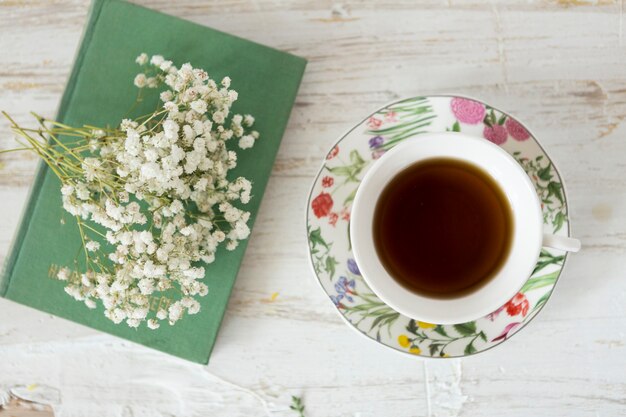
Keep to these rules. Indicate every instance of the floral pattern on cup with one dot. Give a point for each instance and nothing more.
(329, 214)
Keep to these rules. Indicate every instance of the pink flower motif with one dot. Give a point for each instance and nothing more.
(510, 328)
(377, 154)
(516, 130)
(496, 134)
(333, 152)
(345, 214)
(374, 123)
(467, 111)
(332, 218)
(495, 314)
(327, 181)
(391, 116)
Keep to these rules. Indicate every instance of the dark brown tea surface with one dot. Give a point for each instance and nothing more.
(442, 227)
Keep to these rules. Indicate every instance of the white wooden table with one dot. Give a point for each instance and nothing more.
(558, 65)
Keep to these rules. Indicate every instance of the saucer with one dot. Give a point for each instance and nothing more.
(328, 221)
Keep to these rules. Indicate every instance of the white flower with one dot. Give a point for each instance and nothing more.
(152, 82)
(165, 65)
(199, 106)
(67, 190)
(63, 274)
(142, 59)
(140, 80)
(166, 96)
(156, 60)
(248, 120)
(246, 142)
(161, 189)
(175, 312)
(92, 246)
(218, 117)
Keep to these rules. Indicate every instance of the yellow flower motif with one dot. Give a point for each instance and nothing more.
(445, 355)
(403, 340)
(415, 350)
(424, 325)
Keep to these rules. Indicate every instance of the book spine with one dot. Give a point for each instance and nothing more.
(6, 273)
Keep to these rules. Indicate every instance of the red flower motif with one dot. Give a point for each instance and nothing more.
(516, 130)
(333, 152)
(332, 218)
(467, 111)
(322, 204)
(496, 134)
(518, 304)
(327, 181)
(374, 123)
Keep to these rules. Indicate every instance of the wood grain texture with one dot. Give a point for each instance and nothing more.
(558, 65)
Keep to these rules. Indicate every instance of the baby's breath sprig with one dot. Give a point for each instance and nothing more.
(151, 197)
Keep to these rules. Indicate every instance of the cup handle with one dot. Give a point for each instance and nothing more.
(568, 244)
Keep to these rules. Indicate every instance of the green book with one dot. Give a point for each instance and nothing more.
(100, 92)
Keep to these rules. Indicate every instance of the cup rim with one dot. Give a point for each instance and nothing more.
(448, 311)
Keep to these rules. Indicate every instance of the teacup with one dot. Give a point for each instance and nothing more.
(525, 243)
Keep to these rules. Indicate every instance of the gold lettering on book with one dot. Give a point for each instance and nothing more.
(155, 303)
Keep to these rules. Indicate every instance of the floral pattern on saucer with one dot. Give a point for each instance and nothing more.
(328, 220)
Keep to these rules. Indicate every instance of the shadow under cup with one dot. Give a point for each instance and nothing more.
(525, 233)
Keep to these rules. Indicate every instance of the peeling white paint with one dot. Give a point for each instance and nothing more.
(443, 387)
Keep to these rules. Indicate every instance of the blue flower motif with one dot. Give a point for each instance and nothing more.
(353, 267)
(344, 288)
(336, 299)
(376, 142)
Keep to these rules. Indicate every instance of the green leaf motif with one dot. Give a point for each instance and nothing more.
(413, 116)
(456, 127)
(384, 319)
(315, 236)
(502, 119)
(439, 329)
(554, 189)
(542, 300)
(350, 197)
(351, 171)
(433, 348)
(557, 222)
(355, 158)
(412, 327)
(544, 174)
(540, 282)
(545, 259)
(469, 349)
(466, 329)
(343, 171)
(331, 263)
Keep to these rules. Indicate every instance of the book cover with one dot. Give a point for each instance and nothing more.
(100, 92)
